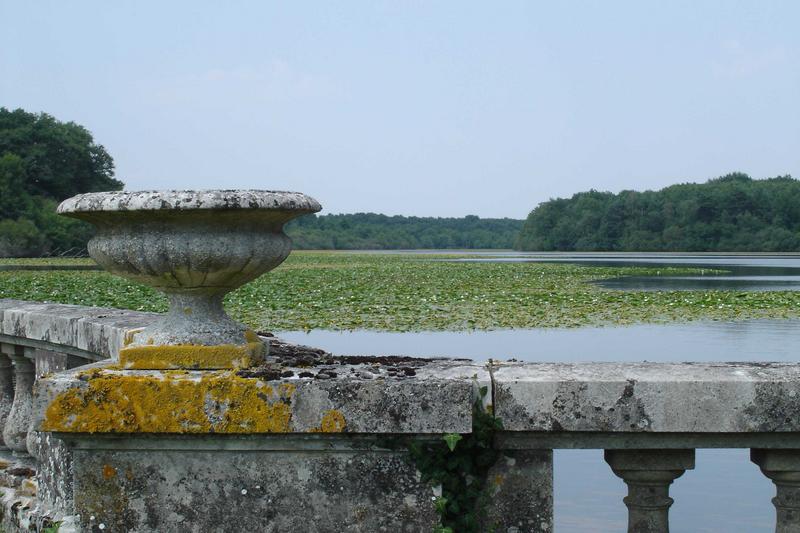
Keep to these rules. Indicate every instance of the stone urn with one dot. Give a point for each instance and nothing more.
(195, 247)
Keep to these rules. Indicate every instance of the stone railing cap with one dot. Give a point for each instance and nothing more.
(648, 397)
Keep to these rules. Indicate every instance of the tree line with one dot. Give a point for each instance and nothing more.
(728, 214)
(44, 161)
(370, 231)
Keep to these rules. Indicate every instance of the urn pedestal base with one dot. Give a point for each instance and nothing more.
(194, 356)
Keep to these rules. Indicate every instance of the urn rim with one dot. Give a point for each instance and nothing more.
(190, 200)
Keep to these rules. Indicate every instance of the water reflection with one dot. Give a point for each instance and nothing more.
(759, 272)
(746, 340)
(702, 283)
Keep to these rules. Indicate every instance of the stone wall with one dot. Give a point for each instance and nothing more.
(312, 441)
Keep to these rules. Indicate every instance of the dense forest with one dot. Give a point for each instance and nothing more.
(731, 213)
(370, 231)
(44, 161)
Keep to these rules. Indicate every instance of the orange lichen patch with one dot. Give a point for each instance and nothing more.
(171, 402)
(194, 356)
(109, 471)
(332, 422)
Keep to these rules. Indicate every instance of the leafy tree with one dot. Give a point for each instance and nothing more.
(361, 231)
(14, 199)
(729, 213)
(44, 161)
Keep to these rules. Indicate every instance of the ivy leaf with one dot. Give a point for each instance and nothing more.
(452, 439)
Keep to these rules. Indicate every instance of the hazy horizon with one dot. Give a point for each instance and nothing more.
(418, 109)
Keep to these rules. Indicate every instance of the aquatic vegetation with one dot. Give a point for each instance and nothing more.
(414, 292)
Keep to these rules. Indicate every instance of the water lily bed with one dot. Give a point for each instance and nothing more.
(414, 292)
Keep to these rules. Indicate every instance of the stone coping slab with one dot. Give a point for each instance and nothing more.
(411, 395)
(102, 398)
(93, 332)
(648, 397)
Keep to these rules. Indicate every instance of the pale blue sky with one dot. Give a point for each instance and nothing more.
(416, 108)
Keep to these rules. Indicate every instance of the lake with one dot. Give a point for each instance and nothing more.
(767, 272)
(726, 492)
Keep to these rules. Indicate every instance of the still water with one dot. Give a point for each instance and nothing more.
(726, 492)
(759, 272)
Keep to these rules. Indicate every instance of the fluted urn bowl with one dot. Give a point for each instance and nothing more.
(194, 246)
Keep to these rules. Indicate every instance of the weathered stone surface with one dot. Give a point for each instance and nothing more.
(648, 475)
(53, 471)
(6, 387)
(93, 332)
(189, 200)
(53, 458)
(21, 507)
(99, 398)
(520, 488)
(649, 397)
(783, 468)
(277, 491)
(195, 246)
(20, 417)
(360, 479)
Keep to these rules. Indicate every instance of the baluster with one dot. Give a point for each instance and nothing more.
(15, 431)
(783, 468)
(648, 474)
(46, 362)
(6, 386)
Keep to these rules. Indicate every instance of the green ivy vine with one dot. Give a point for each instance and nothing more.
(460, 465)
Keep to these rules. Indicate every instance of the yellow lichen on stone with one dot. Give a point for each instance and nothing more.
(194, 356)
(109, 471)
(333, 421)
(129, 335)
(171, 402)
(286, 390)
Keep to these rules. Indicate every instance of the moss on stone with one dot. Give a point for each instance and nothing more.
(171, 402)
(333, 421)
(192, 356)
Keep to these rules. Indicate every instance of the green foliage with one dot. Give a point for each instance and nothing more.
(730, 213)
(369, 231)
(14, 199)
(452, 440)
(19, 238)
(61, 159)
(53, 528)
(408, 292)
(44, 161)
(460, 466)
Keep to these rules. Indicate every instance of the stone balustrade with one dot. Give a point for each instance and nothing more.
(313, 442)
